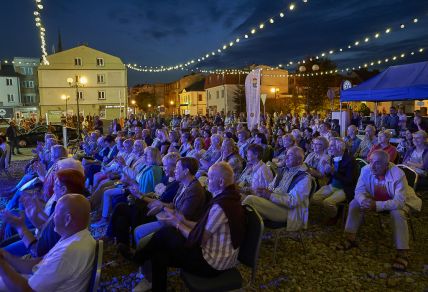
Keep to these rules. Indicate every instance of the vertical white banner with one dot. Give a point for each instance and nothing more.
(252, 95)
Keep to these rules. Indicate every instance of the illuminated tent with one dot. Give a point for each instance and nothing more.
(403, 82)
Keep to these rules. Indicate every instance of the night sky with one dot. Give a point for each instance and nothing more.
(166, 32)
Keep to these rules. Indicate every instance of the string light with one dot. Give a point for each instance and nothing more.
(251, 32)
(364, 65)
(357, 43)
(39, 25)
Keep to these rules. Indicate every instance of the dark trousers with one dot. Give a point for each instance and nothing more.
(167, 249)
(126, 218)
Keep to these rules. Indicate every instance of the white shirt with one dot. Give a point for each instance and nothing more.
(67, 266)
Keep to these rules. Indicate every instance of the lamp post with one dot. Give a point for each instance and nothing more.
(133, 104)
(79, 82)
(172, 105)
(275, 90)
(65, 97)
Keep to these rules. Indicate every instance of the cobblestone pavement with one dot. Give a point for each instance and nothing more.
(321, 268)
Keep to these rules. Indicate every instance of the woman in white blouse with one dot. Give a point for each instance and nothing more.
(256, 174)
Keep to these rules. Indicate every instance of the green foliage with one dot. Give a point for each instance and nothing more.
(143, 99)
(315, 87)
(364, 109)
(239, 99)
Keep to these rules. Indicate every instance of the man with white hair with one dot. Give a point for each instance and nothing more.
(383, 187)
(204, 248)
(342, 170)
(383, 138)
(287, 198)
(67, 266)
(367, 143)
(352, 141)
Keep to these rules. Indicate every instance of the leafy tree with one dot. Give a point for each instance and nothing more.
(239, 99)
(364, 109)
(143, 99)
(315, 87)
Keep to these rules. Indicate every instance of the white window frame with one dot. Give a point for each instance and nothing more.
(101, 95)
(100, 62)
(101, 78)
(9, 82)
(28, 99)
(77, 61)
(28, 84)
(28, 70)
(10, 98)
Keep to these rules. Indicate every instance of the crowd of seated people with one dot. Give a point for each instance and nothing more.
(177, 190)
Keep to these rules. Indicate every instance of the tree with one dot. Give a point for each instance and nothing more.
(239, 99)
(143, 99)
(315, 87)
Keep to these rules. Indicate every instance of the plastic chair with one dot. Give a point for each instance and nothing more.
(344, 205)
(96, 270)
(278, 228)
(412, 179)
(248, 255)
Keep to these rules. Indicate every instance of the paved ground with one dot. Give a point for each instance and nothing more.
(321, 268)
(26, 154)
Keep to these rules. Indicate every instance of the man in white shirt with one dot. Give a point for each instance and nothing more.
(67, 266)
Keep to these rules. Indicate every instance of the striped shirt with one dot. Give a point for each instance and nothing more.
(218, 251)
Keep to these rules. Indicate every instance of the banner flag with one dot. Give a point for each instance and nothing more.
(252, 95)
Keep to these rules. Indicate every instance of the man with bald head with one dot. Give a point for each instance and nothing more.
(287, 197)
(204, 248)
(383, 187)
(67, 266)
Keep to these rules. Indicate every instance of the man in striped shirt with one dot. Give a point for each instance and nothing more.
(204, 248)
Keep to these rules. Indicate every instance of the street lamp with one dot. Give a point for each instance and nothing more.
(133, 103)
(79, 82)
(275, 90)
(65, 97)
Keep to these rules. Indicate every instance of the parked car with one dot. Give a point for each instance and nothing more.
(31, 137)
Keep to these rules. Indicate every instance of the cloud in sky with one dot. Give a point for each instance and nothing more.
(169, 32)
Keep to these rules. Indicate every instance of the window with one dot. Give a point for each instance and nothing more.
(218, 94)
(100, 62)
(222, 93)
(26, 99)
(101, 95)
(10, 98)
(27, 70)
(77, 61)
(28, 84)
(199, 97)
(9, 82)
(80, 94)
(100, 78)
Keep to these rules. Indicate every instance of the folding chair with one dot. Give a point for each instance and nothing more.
(248, 255)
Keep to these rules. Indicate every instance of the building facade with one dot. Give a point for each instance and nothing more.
(193, 100)
(105, 93)
(29, 101)
(10, 91)
(221, 90)
(173, 90)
